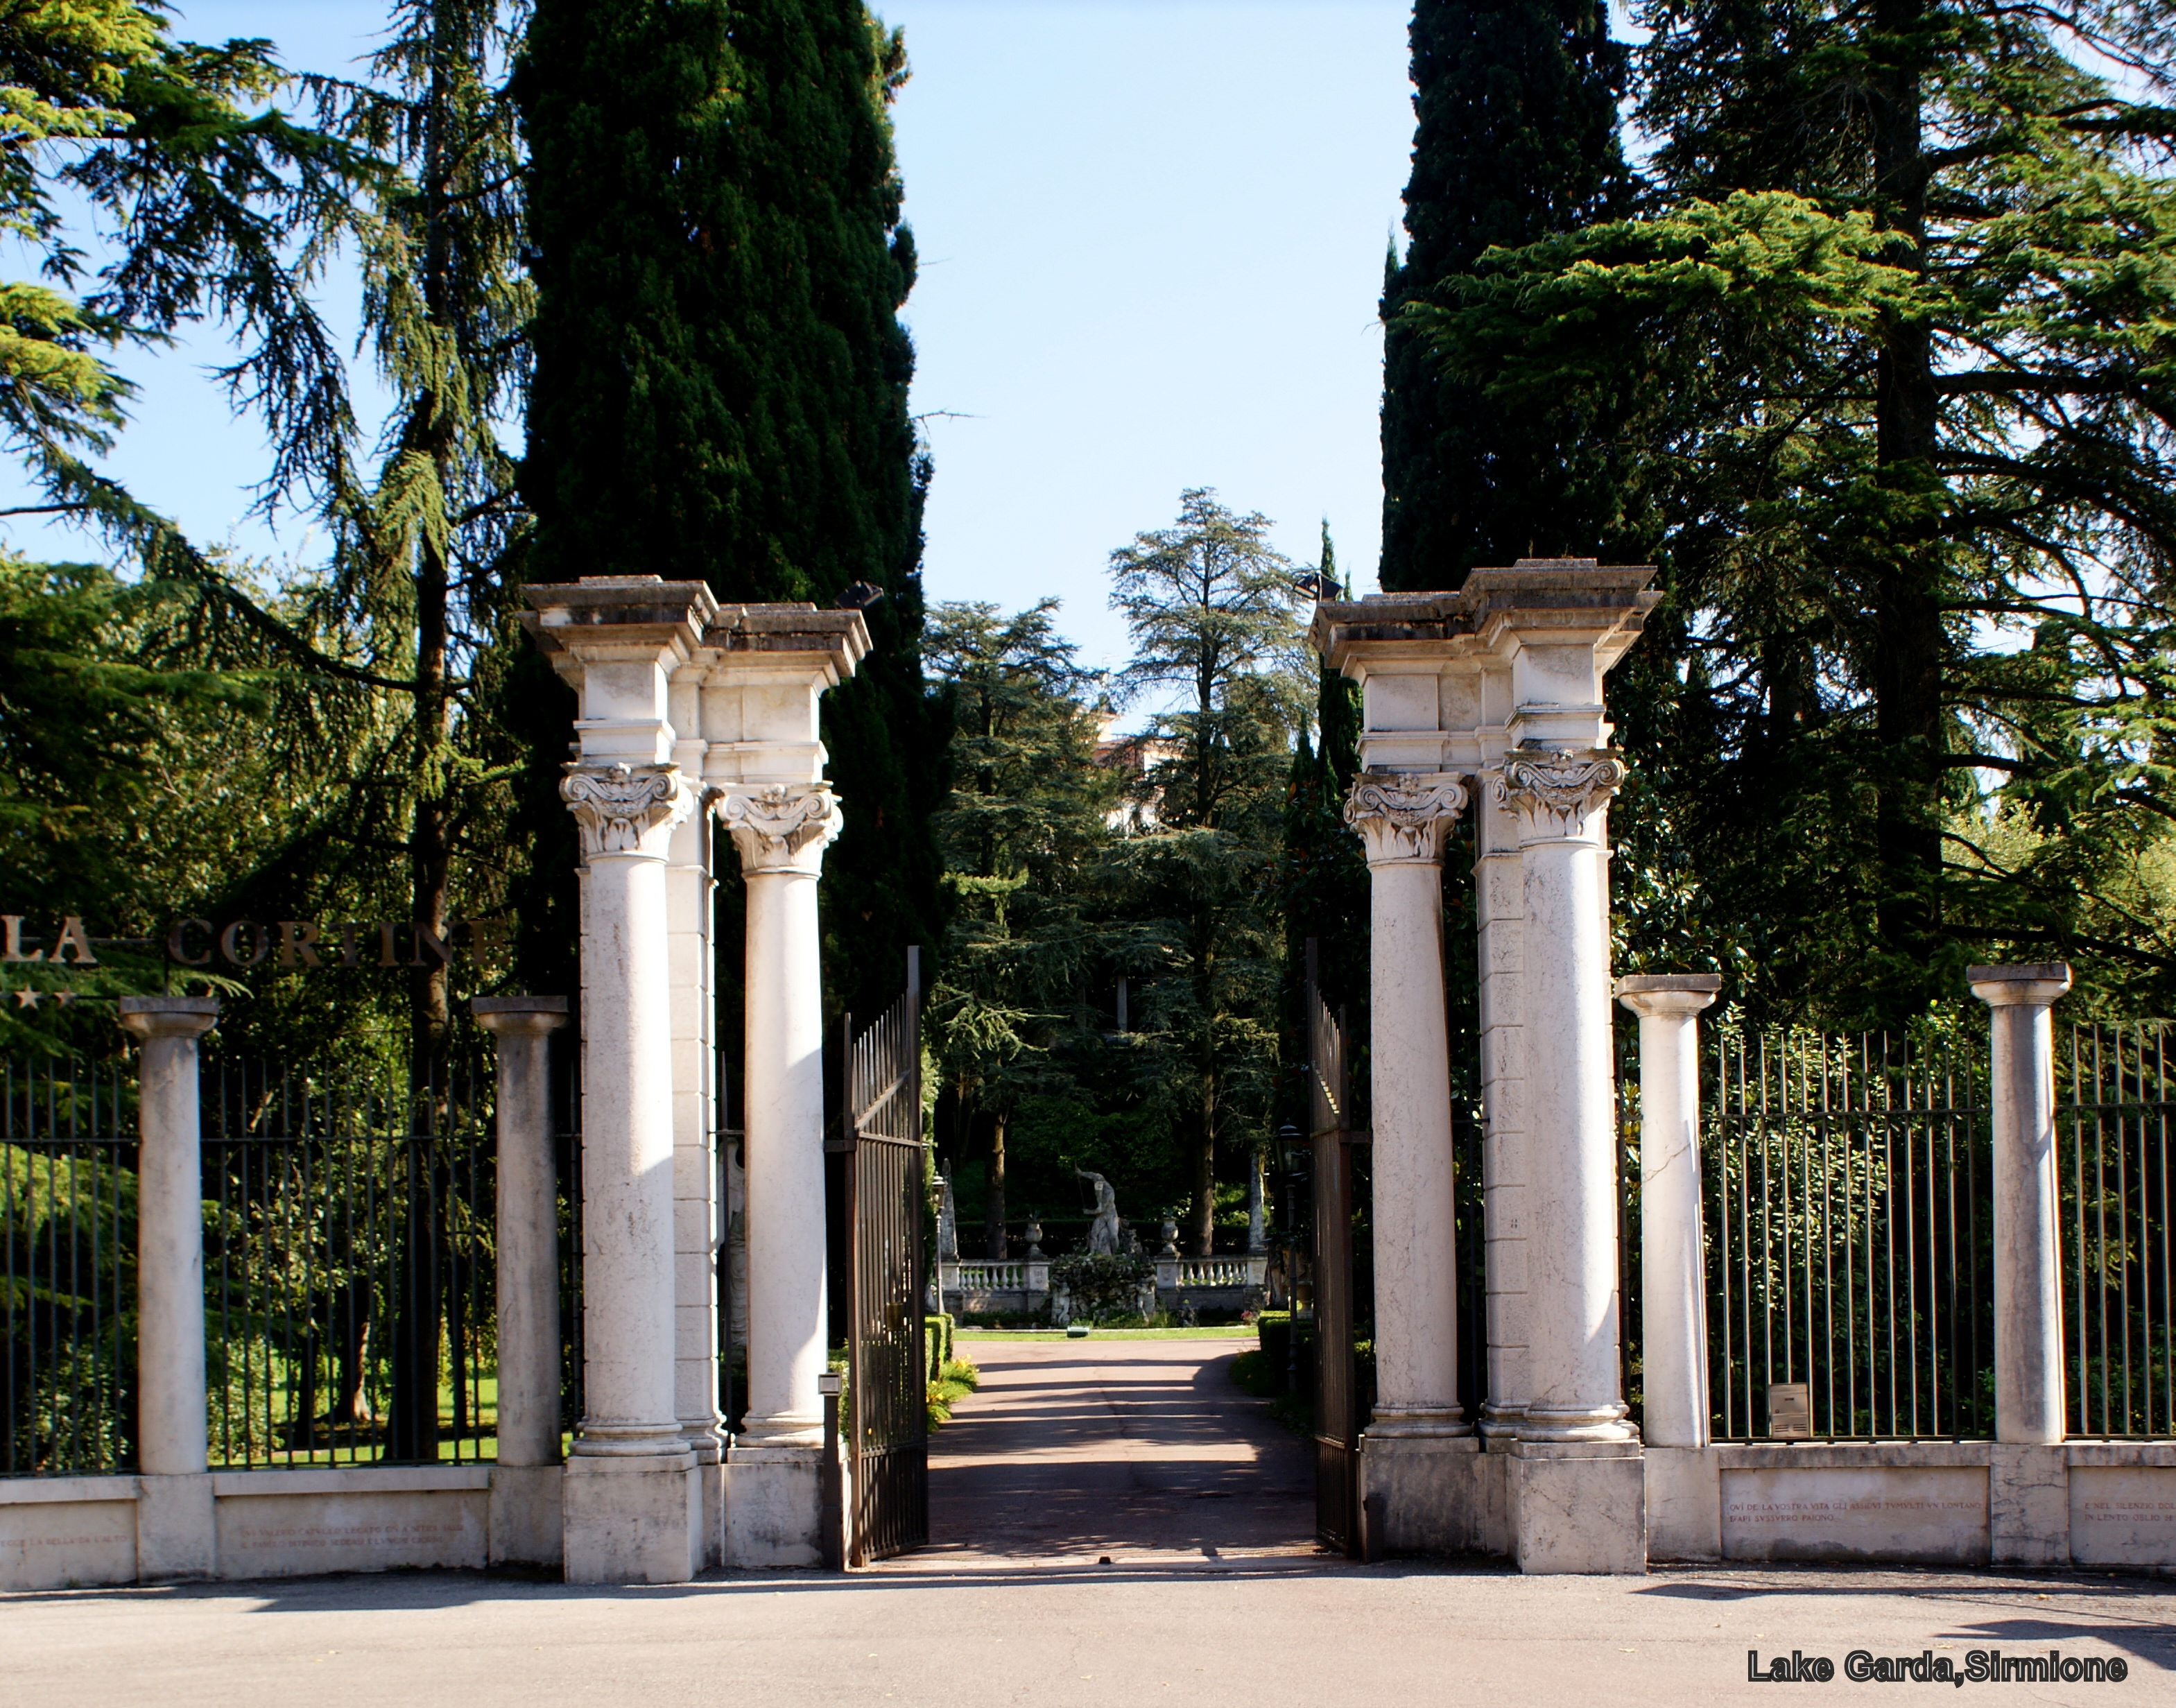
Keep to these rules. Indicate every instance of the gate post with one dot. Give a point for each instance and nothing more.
(765, 766)
(632, 1500)
(175, 1534)
(2028, 1248)
(1415, 1462)
(526, 1520)
(1684, 1510)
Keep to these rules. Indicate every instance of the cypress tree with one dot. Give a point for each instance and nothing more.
(721, 377)
(1516, 139)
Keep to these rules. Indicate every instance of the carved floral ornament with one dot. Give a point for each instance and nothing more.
(1558, 791)
(615, 806)
(773, 827)
(1403, 816)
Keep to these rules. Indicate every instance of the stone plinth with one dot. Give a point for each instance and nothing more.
(1577, 1506)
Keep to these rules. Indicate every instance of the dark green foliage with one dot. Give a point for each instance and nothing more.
(722, 378)
(1516, 104)
(1890, 355)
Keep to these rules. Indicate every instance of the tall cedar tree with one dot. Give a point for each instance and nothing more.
(1023, 828)
(1208, 605)
(1893, 353)
(1516, 139)
(720, 386)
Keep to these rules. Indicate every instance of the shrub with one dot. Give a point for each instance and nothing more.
(1102, 1288)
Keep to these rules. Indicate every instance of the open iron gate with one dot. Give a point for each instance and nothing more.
(1340, 1405)
(887, 1368)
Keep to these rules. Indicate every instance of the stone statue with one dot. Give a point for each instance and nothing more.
(948, 1223)
(1103, 1235)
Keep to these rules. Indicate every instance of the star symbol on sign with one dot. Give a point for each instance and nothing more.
(63, 997)
(26, 997)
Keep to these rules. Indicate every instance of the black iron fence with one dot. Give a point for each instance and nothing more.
(67, 1267)
(1850, 1235)
(349, 1263)
(2116, 1115)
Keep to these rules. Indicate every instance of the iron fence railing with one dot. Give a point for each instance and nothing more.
(2115, 1118)
(67, 1266)
(348, 1264)
(1850, 1234)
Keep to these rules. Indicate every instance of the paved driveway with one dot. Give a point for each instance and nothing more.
(1213, 1600)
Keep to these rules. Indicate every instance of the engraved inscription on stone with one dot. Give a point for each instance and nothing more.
(2122, 1514)
(48, 1545)
(283, 1535)
(1936, 1514)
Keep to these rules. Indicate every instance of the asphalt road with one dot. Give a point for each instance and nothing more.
(1139, 1450)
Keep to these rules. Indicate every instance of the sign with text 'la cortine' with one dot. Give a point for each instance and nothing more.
(288, 944)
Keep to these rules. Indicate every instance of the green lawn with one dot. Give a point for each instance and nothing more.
(1236, 1331)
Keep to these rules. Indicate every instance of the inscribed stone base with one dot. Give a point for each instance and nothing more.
(176, 1535)
(1578, 1507)
(2028, 1506)
(302, 1532)
(632, 1520)
(774, 1506)
(1684, 1503)
(88, 1536)
(1429, 1488)
(1927, 1514)
(527, 1519)
(2122, 1514)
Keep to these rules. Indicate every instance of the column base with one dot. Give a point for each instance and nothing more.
(528, 1515)
(176, 1531)
(708, 1447)
(1685, 1503)
(2028, 1505)
(631, 1519)
(1577, 1507)
(775, 1505)
(1429, 1488)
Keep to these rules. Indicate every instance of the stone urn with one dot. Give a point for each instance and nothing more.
(1035, 1239)
(1169, 1231)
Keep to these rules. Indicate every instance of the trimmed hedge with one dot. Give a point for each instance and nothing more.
(937, 1336)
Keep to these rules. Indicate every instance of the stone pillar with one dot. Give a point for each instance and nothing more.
(1418, 1447)
(1577, 1499)
(630, 1500)
(175, 1538)
(526, 1520)
(699, 1215)
(781, 833)
(1685, 1512)
(2028, 1253)
(1499, 921)
(1672, 1259)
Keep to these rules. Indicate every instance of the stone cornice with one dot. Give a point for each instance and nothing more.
(625, 809)
(1403, 816)
(1555, 794)
(783, 828)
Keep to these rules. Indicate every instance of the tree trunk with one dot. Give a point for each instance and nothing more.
(1908, 637)
(993, 1200)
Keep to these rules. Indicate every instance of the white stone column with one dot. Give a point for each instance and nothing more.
(1577, 1494)
(1499, 925)
(526, 1520)
(1672, 1257)
(1418, 1445)
(2028, 1266)
(699, 1213)
(629, 1499)
(1572, 1269)
(781, 833)
(175, 1538)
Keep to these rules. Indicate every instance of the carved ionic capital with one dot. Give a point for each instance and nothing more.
(1403, 816)
(1554, 794)
(625, 809)
(784, 828)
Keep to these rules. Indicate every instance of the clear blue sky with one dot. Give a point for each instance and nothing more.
(1152, 239)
